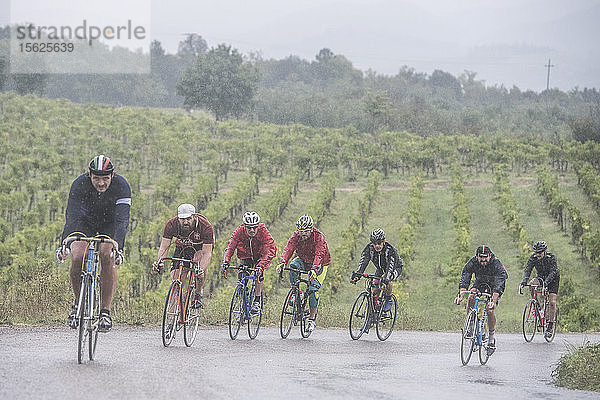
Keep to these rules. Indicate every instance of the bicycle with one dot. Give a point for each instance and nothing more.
(296, 309)
(240, 310)
(89, 301)
(177, 313)
(534, 317)
(370, 308)
(475, 335)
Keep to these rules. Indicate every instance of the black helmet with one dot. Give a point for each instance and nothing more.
(540, 246)
(483, 251)
(101, 165)
(377, 236)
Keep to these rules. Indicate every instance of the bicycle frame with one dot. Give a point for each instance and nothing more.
(246, 292)
(477, 340)
(299, 313)
(539, 313)
(375, 313)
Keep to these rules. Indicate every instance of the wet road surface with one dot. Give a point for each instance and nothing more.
(131, 363)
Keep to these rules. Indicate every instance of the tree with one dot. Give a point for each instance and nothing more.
(220, 81)
(587, 127)
(192, 46)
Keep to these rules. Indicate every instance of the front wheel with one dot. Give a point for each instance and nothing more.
(386, 319)
(83, 318)
(468, 337)
(530, 320)
(192, 319)
(305, 315)
(96, 318)
(484, 355)
(288, 313)
(254, 320)
(359, 316)
(170, 314)
(236, 312)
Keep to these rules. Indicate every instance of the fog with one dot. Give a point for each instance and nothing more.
(507, 43)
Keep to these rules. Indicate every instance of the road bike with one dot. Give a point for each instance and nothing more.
(178, 312)
(534, 316)
(474, 334)
(240, 310)
(296, 307)
(89, 301)
(371, 307)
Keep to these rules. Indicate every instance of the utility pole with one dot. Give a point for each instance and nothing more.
(548, 78)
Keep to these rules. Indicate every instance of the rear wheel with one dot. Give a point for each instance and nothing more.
(468, 337)
(170, 314)
(530, 320)
(483, 349)
(236, 312)
(288, 313)
(359, 316)
(83, 318)
(386, 320)
(554, 327)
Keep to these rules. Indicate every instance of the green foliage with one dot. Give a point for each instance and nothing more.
(579, 369)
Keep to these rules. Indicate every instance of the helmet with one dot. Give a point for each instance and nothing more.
(101, 165)
(377, 236)
(305, 222)
(483, 251)
(540, 246)
(250, 219)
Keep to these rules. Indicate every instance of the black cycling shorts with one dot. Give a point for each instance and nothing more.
(183, 252)
(93, 230)
(553, 286)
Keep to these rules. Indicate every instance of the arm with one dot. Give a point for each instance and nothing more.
(394, 264)
(75, 208)
(528, 269)
(268, 249)
(320, 252)
(122, 209)
(205, 255)
(231, 245)
(553, 269)
(289, 248)
(365, 257)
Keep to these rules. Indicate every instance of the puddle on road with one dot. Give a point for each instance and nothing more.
(487, 382)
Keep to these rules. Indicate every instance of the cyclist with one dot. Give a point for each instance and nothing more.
(489, 271)
(255, 247)
(194, 239)
(546, 267)
(99, 203)
(312, 255)
(386, 260)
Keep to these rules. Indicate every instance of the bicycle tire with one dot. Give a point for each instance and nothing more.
(530, 320)
(96, 318)
(304, 314)
(83, 295)
(192, 318)
(288, 313)
(468, 337)
(554, 327)
(236, 314)
(359, 316)
(254, 321)
(483, 349)
(170, 317)
(386, 320)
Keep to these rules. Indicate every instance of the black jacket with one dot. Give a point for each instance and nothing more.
(494, 274)
(546, 267)
(388, 263)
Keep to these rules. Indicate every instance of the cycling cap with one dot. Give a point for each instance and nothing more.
(186, 210)
(377, 236)
(305, 222)
(250, 219)
(540, 246)
(483, 251)
(101, 165)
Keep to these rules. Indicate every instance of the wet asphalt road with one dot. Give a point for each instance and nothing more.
(131, 363)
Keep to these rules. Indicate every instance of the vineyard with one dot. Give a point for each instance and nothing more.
(437, 198)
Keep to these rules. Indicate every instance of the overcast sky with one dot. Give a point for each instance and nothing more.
(506, 42)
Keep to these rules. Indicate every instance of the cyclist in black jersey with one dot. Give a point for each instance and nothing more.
(99, 203)
(386, 260)
(546, 266)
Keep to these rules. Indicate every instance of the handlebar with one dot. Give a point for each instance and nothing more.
(163, 259)
(96, 239)
(542, 284)
(477, 293)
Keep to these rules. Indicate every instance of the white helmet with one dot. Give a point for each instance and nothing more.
(250, 219)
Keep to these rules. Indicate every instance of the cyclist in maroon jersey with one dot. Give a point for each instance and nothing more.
(312, 255)
(255, 248)
(194, 239)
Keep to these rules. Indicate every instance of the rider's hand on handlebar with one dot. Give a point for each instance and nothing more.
(61, 253)
(158, 266)
(280, 268)
(224, 267)
(458, 299)
(355, 277)
(119, 258)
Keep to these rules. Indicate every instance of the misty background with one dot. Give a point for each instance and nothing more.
(506, 43)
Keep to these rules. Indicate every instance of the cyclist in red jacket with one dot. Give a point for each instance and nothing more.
(255, 248)
(312, 254)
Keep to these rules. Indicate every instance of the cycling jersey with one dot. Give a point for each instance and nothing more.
(313, 251)
(493, 274)
(260, 247)
(91, 212)
(388, 263)
(200, 233)
(546, 268)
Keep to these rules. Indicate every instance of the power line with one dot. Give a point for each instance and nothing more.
(548, 77)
